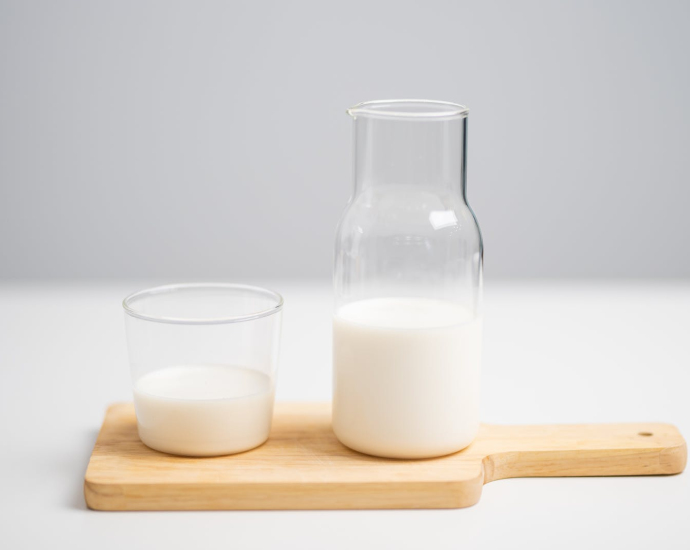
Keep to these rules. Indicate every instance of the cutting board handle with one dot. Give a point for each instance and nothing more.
(583, 450)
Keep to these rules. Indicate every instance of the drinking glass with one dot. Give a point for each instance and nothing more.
(203, 360)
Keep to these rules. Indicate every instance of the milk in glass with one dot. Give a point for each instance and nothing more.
(204, 410)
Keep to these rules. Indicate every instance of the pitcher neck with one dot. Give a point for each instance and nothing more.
(410, 143)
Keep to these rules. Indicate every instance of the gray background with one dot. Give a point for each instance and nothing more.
(209, 139)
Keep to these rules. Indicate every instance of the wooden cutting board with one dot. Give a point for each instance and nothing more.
(303, 466)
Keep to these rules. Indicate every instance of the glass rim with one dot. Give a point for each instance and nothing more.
(164, 289)
(426, 109)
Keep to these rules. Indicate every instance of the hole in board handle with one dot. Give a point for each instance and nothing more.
(645, 434)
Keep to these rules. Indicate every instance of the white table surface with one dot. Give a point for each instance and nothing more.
(554, 353)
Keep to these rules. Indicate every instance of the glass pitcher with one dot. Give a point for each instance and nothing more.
(408, 286)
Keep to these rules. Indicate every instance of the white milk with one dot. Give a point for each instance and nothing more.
(406, 377)
(204, 410)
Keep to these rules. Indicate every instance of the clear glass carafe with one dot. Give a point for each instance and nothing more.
(408, 286)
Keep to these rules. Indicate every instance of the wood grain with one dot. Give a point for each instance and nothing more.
(303, 466)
